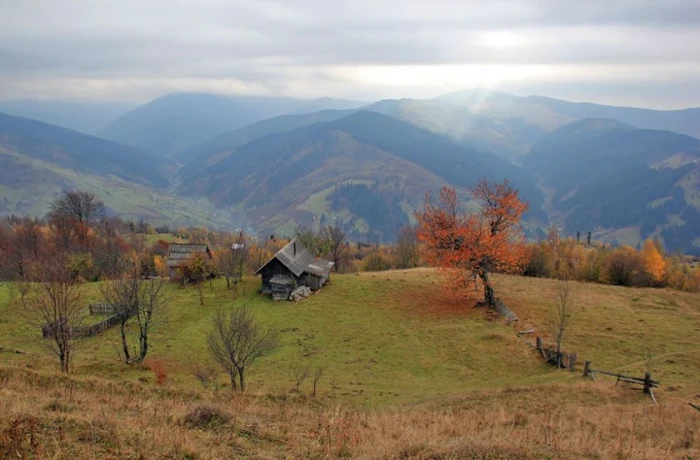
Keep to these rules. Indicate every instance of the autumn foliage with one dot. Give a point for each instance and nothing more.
(650, 266)
(472, 245)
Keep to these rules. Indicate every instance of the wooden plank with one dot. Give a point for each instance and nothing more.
(694, 406)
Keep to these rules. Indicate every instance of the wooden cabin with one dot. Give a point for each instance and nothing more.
(179, 255)
(293, 266)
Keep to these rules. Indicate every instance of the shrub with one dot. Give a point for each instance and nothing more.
(376, 261)
(206, 417)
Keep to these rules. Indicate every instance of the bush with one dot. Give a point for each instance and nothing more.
(375, 261)
(206, 417)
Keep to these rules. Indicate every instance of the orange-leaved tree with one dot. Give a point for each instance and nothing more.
(654, 263)
(471, 245)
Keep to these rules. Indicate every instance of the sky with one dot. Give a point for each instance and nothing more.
(623, 52)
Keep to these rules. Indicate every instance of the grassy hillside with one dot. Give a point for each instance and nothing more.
(396, 337)
(411, 373)
(29, 186)
(80, 152)
(43, 415)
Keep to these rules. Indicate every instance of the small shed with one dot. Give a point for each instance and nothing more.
(281, 286)
(179, 255)
(292, 266)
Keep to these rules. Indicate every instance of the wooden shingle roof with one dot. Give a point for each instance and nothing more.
(298, 260)
(180, 254)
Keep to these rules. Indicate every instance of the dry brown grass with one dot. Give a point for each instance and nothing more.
(54, 416)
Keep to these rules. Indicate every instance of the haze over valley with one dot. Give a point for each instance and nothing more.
(273, 164)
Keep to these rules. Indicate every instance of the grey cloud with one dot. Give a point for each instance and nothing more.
(262, 41)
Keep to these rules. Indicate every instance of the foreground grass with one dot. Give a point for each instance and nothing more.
(45, 415)
(393, 338)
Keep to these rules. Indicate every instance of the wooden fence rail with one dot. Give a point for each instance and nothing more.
(646, 382)
(560, 359)
(49, 330)
(101, 309)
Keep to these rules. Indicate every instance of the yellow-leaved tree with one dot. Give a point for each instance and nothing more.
(654, 263)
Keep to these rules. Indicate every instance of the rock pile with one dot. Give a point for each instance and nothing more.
(300, 293)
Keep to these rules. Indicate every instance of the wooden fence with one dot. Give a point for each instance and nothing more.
(646, 382)
(101, 309)
(568, 361)
(48, 330)
(82, 331)
(556, 358)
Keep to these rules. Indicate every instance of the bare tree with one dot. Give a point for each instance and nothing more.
(560, 314)
(336, 244)
(318, 373)
(299, 373)
(133, 297)
(85, 207)
(121, 295)
(206, 374)
(406, 248)
(232, 263)
(236, 341)
(54, 303)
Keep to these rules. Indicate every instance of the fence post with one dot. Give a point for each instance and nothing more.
(540, 348)
(586, 368)
(572, 361)
(647, 383)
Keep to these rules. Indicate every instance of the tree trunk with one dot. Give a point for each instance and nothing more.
(65, 359)
(559, 340)
(125, 345)
(201, 296)
(228, 282)
(242, 380)
(234, 383)
(143, 345)
(489, 294)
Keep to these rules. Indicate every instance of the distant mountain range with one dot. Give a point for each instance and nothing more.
(272, 164)
(635, 183)
(176, 122)
(297, 175)
(85, 117)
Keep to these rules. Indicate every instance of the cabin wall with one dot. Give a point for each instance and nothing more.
(312, 281)
(275, 267)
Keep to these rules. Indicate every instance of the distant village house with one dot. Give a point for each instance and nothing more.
(180, 255)
(293, 266)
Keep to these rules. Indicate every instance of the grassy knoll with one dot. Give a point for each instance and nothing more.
(396, 337)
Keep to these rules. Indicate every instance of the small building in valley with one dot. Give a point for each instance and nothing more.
(293, 266)
(180, 255)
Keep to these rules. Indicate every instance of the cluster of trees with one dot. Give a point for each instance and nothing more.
(648, 266)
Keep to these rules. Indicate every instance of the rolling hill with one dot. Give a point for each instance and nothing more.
(38, 160)
(82, 153)
(366, 169)
(207, 153)
(685, 121)
(85, 116)
(178, 121)
(608, 176)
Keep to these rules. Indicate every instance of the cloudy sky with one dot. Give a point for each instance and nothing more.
(635, 52)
